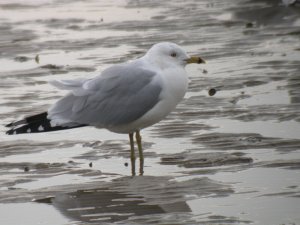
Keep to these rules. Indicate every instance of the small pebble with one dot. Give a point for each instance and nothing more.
(126, 164)
(91, 164)
(37, 59)
(21, 58)
(26, 169)
(212, 92)
(249, 25)
(204, 71)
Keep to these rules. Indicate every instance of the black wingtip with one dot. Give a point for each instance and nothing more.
(10, 132)
(19, 130)
(17, 123)
(29, 119)
(37, 124)
(9, 125)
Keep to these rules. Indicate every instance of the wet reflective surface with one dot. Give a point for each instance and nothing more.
(229, 153)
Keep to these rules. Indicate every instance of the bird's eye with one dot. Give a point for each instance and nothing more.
(173, 54)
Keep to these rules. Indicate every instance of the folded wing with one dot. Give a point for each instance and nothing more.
(120, 95)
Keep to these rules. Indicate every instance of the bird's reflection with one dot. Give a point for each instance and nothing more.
(102, 205)
(123, 199)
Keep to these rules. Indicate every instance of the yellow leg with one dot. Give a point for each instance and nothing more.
(141, 155)
(132, 154)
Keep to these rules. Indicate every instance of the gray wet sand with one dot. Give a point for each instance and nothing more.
(228, 158)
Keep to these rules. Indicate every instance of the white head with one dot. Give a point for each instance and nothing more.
(166, 54)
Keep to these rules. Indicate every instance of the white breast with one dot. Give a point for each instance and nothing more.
(175, 84)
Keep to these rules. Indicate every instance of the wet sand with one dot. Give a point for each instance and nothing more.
(229, 153)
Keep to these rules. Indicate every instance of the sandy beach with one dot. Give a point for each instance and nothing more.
(228, 154)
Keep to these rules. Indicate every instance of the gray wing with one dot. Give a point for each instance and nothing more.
(121, 95)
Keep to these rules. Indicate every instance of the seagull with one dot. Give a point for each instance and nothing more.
(124, 98)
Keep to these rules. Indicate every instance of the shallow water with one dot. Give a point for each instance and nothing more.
(230, 158)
